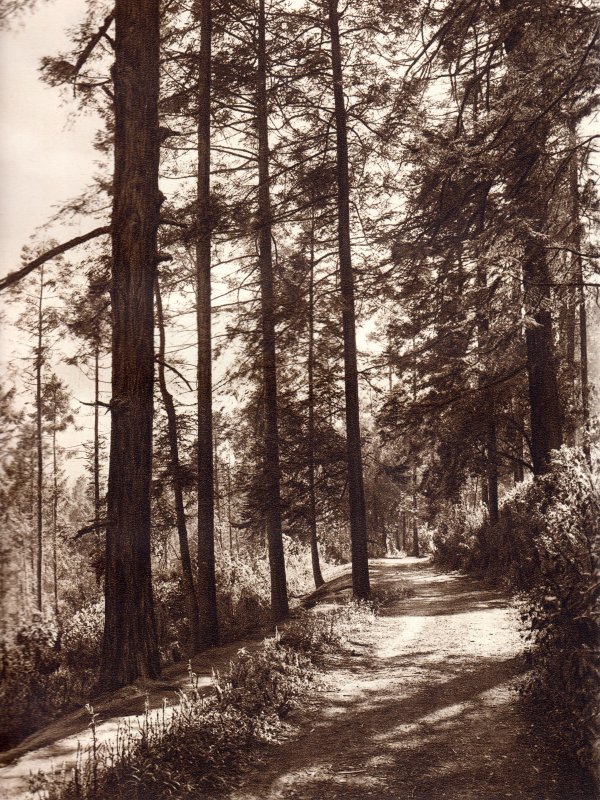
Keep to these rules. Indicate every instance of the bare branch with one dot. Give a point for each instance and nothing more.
(87, 50)
(18, 275)
(95, 526)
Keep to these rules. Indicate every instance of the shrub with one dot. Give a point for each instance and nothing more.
(45, 672)
(243, 595)
(176, 752)
(455, 541)
(545, 548)
(81, 638)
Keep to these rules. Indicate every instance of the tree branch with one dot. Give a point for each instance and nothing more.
(87, 50)
(95, 526)
(18, 275)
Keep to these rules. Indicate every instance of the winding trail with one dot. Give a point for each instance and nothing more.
(427, 709)
(423, 707)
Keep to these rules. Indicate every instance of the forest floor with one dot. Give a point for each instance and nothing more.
(424, 706)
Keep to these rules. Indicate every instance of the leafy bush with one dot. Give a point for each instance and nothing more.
(45, 672)
(455, 541)
(321, 631)
(176, 752)
(243, 595)
(81, 638)
(545, 547)
(557, 568)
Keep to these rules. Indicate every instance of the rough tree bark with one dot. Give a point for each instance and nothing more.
(279, 599)
(528, 191)
(356, 493)
(130, 644)
(207, 591)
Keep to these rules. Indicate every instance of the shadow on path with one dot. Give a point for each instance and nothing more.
(429, 711)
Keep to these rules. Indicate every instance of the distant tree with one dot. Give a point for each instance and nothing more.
(58, 415)
(208, 631)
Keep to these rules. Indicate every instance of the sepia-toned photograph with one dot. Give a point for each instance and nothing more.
(299, 400)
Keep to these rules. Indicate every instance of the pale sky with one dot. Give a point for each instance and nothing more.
(46, 156)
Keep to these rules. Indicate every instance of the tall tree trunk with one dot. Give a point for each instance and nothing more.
(96, 457)
(207, 591)
(415, 510)
(130, 644)
(356, 493)
(583, 350)
(39, 360)
(528, 190)
(404, 532)
(413, 477)
(544, 400)
(492, 468)
(187, 572)
(54, 515)
(314, 540)
(218, 490)
(577, 270)
(279, 599)
(491, 449)
(229, 520)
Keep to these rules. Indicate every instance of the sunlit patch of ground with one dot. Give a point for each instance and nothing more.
(429, 710)
(423, 707)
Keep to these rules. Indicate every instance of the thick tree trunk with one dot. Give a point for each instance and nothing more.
(544, 400)
(187, 572)
(39, 360)
(207, 591)
(279, 600)
(314, 540)
(358, 520)
(130, 645)
(527, 189)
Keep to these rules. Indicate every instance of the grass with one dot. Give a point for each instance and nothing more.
(202, 741)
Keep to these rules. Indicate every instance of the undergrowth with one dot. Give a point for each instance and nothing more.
(545, 550)
(175, 752)
(49, 669)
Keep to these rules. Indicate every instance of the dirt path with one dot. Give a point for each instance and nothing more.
(57, 744)
(423, 708)
(426, 710)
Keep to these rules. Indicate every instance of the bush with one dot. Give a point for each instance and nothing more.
(545, 547)
(558, 571)
(46, 672)
(175, 753)
(455, 541)
(81, 638)
(243, 595)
